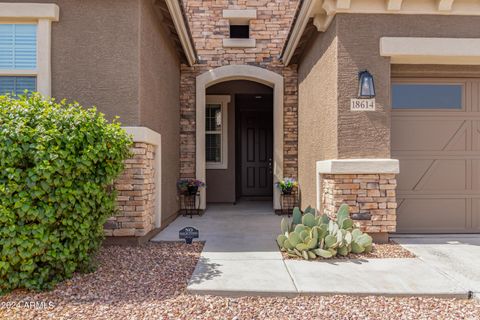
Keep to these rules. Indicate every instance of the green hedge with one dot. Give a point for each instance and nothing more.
(57, 164)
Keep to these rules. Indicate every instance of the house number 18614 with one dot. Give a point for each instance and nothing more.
(362, 105)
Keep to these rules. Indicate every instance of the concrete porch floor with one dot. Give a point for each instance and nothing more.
(241, 257)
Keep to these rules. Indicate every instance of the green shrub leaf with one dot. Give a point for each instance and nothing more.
(57, 163)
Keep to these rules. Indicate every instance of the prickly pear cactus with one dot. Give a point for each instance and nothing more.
(309, 236)
(281, 239)
(297, 216)
(286, 226)
(308, 219)
(310, 210)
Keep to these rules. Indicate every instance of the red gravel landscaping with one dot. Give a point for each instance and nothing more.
(149, 282)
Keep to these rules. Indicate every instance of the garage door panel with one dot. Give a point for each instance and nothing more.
(412, 133)
(459, 141)
(439, 152)
(476, 135)
(432, 175)
(432, 215)
(474, 96)
(411, 172)
(476, 175)
(476, 214)
(448, 175)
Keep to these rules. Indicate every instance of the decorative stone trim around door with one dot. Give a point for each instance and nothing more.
(139, 188)
(367, 185)
(240, 72)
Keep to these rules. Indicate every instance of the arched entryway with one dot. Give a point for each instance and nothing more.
(240, 72)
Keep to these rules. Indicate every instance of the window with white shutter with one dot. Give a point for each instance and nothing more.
(18, 58)
(26, 46)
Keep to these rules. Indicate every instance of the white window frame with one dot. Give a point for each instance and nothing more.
(41, 14)
(223, 101)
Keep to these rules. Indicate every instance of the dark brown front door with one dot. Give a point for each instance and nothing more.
(256, 150)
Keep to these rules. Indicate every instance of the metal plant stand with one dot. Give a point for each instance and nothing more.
(190, 204)
(288, 202)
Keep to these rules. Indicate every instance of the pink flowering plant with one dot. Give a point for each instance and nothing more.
(189, 185)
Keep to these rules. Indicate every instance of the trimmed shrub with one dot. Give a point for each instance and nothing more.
(57, 165)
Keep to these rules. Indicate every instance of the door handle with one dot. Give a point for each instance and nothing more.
(270, 165)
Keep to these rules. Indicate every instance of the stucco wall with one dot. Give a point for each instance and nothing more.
(222, 183)
(159, 98)
(317, 110)
(367, 134)
(334, 58)
(95, 55)
(115, 54)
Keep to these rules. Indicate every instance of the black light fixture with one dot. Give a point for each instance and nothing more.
(366, 85)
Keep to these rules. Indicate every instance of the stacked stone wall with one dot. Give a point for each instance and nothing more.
(371, 197)
(136, 195)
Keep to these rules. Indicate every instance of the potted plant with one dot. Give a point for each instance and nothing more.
(189, 186)
(287, 185)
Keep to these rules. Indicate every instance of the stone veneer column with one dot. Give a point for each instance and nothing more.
(367, 185)
(137, 188)
(209, 28)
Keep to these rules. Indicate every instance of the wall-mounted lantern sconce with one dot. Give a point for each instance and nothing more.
(366, 85)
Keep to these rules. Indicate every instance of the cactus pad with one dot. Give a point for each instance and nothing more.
(297, 216)
(309, 220)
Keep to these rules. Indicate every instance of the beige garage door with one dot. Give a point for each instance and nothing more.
(436, 137)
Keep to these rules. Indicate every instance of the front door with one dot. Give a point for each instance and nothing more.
(256, 133)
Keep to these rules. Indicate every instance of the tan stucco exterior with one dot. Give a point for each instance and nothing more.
(317, 112)
(120, 56)
(117, 55)
(159, 89)
(367, 135)
(95, 60)
(355, 47)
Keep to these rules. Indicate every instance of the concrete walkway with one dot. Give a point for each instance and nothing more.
(241, 257)
(458, 256)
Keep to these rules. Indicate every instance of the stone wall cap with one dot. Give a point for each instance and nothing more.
(358, 166)
(239, 16)
(35, 11)
(144, 134)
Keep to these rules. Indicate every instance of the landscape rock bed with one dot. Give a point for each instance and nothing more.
(149, 282)
(380, 251)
